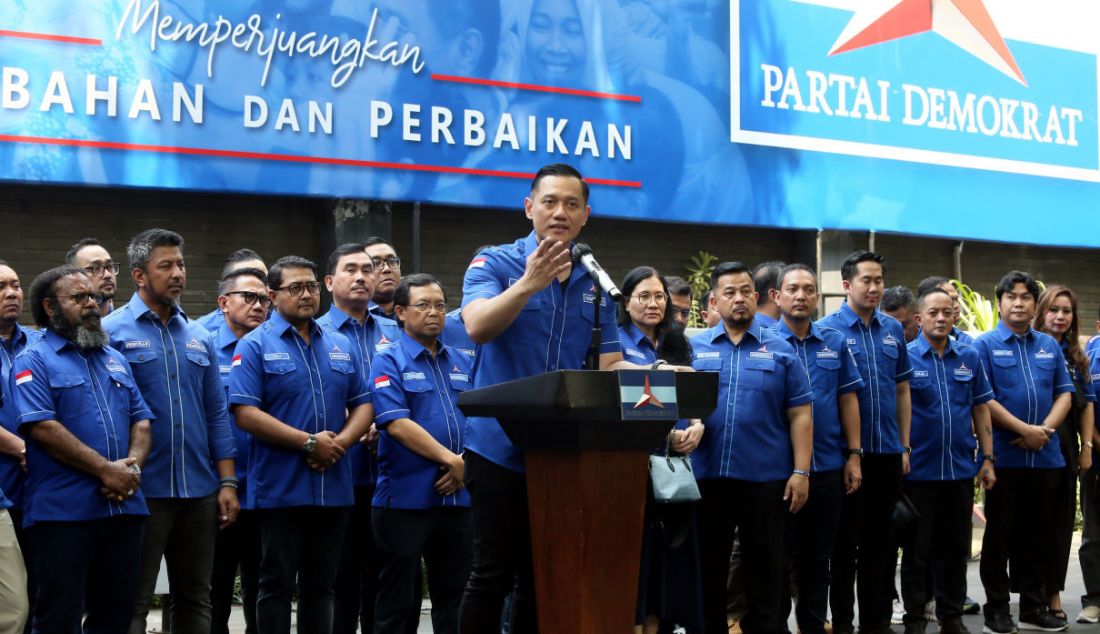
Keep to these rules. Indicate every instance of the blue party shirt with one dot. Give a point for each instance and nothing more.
(226, 343)
(12, 476)
(455, 335)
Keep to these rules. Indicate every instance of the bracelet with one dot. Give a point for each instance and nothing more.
(230, 482)
(658, 363)
(800, 472)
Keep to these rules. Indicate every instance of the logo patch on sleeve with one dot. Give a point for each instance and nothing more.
(381, 382)
(237, 360)
(477, 263)
(26, 376)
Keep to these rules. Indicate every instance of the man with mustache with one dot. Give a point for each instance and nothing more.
(190, 481)
(387, 269)
(89, 254)
(350, 277)
(878, 343)
(88, 436)
(299, 390)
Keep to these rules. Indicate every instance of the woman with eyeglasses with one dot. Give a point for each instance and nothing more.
(1057, 316)
(669, 588)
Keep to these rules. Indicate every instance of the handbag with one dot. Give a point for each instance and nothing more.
(672, 478)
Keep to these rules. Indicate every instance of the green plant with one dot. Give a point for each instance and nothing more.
(978, 313)
(699, 270)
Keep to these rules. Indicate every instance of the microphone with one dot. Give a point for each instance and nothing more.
(583, 253)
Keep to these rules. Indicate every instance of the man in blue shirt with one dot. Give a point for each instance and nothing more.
(899, 303)
(1032, 393)
(420, 505)
(243, 304)
(238, 260)
(766, 278)
(753, 464)
(949, 391)
(878, 345)
(189, 481)
(387, 270)
(88, 254)
(835, 468)
(350, 277)
(298, 390)
(530, 309)
(88, 436)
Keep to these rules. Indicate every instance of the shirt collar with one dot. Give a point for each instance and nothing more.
(637, 337)
(18, 338)
(414, 350)
(719, 331)
(56, 341)
(138, 308)
(1006, 333)
(784, 331)
(924, 346)
(851, 318)
(226, 337)
(281, 325)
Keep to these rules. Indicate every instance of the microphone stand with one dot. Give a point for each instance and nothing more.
(592, 361)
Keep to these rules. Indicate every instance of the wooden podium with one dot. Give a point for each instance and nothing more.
(586, 486)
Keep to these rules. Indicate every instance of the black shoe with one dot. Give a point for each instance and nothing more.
(953, 626)
(970, 606)
(875, 629)
(843, 629)
(1042, 621)
(999, 623)
(916, 626)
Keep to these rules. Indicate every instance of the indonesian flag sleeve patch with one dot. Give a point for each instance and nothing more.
(24, 377)
(236, 360)
(381, 381)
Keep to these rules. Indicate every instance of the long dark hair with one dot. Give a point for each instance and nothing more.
(672, 345)
(1073, 345)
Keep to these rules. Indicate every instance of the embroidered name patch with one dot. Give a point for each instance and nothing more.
(130, 345)
(1002, 353)
(920, 374)
(225, 369)
(273, 356)
(196, 345)
(339, 356)
(962, 370)
(827, 354)
(630, 352)
(1043, 354)
(413, 376)
(707, 355)
(889, 340)
(761, 355)
(459, 377)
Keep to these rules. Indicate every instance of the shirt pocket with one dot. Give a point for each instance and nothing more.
(757, 374)
(198, 359)
(1044, 376)
(419, 386)
(140, 356)
(888, 361)
(825, 378)
(1005, 372)
(70, 394)
(281, 378)
(960, 387)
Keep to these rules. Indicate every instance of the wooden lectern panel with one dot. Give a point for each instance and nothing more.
(586, 510)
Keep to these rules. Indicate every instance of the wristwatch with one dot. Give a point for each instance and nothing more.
(908, 449)
(990, 457)
(855, 451)
(310, 444)
(134, 469)
(1088, 443)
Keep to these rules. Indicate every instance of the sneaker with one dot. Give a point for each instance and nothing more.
(1000, 623)
(930, 612)
(898, 616)
(953, 626)
(1089, 614)
(1042, 621)
(970, 606)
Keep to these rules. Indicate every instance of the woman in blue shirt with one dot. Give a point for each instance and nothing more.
(669, 588)
(1057, 317)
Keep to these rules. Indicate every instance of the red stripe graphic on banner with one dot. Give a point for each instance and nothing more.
(67, 39)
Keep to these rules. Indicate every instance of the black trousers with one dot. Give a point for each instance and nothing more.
(443, 536)
(1018, 513)
(757, 510)
(1061, 529)
(1089, 554)
(303, 543)
(938, 544)
(86, 570)
(812, 533)
(236, 546)
(357, 570)
(864, 547)
(502, 551)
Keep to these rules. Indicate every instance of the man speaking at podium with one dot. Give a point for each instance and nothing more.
(531, 310)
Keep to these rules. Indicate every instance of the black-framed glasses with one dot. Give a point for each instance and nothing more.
(683, 312)
(295, 289)
(96, 270)
(424, 307)
(392, 261)
(646, 297)
(82, 298)
(251, 298)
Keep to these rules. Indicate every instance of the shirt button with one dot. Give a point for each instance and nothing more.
(173, 375)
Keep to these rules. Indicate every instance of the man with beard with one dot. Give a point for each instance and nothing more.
(350, 277)
(387, 270)
(190, 480)
(89, 254)
(88, 436)
(243, 304)
(297, 388)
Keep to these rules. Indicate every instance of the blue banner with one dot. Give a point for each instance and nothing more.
(957, 118)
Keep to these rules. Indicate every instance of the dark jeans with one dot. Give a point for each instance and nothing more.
(1017, 510)
(182, 530)
(1089, 554)
(760, 515)
(238, 545)
(300, 543)
(86, 570)
(735, 584)
(865, 548)
(813, 530)
(443, 536)
(502, 550)
(938, 544)
(357, 570)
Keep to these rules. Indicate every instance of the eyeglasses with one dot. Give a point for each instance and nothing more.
(645, 298)
(96, 270)
(683, 312)
(82, 298)
(392, 261)
(426, 306)
(251, 298)
(295, 289)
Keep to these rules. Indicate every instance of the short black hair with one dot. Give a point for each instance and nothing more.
(727, 268)
(678, 286)
(141, 246)
(896, 298)
(791, 268)
(766, 277)
(704, 301)
(70, 255)
(275, 273)
(373, 240)
(1012, 278)
(405, 286)
(344, 249)
(559, 169)
(45, 287)
(848, 268)
(927, 284)
(230, 280)
(238, 256)
(935, 290)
